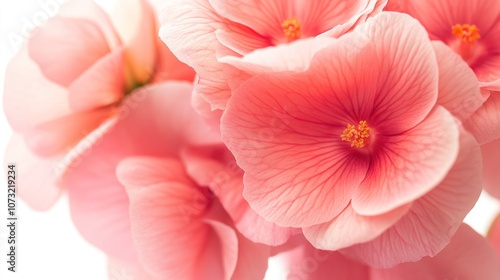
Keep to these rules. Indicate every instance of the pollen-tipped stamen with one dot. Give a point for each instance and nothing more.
(292, 28)
(356, 136)
(467, 33)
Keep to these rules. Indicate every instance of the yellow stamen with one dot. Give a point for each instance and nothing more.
(356, 136)
(467, 33)
(292, 29)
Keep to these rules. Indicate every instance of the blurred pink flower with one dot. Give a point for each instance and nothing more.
(72, 76)
(199, 32)
(145, 191)
(467, 256)
(354, 150)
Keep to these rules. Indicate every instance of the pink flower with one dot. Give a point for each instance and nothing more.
(471, 29)
(70, 78)
(354, 150)
(142, 196)
(201, 31)
(467, 256)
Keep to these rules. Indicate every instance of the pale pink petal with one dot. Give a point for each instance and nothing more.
(168, 67)
(491, 162)
(252, 259)
(36, 177)
(485, 122)
(165, 214)
(60, 135)
(241, 39)
(409, 165)
(65, 47)
(433, 219)
(195, 22)
(100, 85)
(215, 167)
(135, 22)
(467, 256)
(27, 104)
(350, 228)
(459, 89)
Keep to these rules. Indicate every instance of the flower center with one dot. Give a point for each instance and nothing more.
(356, 136)
(466, 33)
(292, 29)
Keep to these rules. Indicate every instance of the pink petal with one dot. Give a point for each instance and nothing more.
(165, 210)
(467, 256)
(118, 270)
(494, 235)
(27, 104)
(350, 228)
(491, 161)
(241, 39)
(215, 167)
(485, 122)
(100, 85)
(168, 67)
(66, 47)
(433, 219)
(458, 86)
(37, 178)
(252, 260)
(409, 165)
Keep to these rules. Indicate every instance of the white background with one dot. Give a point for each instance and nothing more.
(49, 247)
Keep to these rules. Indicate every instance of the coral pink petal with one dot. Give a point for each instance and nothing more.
(265, 17)
(409, 165)
(350, 228)
(77, 43)
(168, 67)
(27, 104)
(459, 89)
(100, 85)
(433, 219)
(252, 259)
(60, 135)
(215, 167)
(241, 39)
(281, 135)
(485, 122)
(467, 256)
(491, 162)
(36, 177)
(403, 74)
(165, 214)
(135, 22)
(195, 22)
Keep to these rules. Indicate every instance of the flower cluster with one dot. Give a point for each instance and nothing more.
(197, 139)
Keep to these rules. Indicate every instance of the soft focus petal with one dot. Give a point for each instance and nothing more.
(467, 256)
(216, 168)
(165, 210)
(76, 43)
(100, 85)
(433, 219)
(409, 165)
